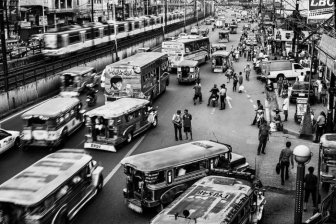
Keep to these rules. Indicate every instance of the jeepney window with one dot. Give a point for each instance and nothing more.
(169, 176)
(61, 119)
(182, 170)
(136, 113)
(62, 192)
(161, 177)
(66, 116)
(72, 112)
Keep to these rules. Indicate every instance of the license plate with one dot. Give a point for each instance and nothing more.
(218, 70)
(95, 146)
(135, 207)
(301, 94)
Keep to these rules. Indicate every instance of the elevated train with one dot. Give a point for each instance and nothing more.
(76, 38)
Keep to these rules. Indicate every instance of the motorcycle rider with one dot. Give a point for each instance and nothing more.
(91, 93)
(277, 120)
(214, 93)
(259, 107)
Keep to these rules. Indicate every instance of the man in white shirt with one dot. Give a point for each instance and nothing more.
(285, 107)
(301, 77)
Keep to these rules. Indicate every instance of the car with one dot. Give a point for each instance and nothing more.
(300, 90)
(9, 140)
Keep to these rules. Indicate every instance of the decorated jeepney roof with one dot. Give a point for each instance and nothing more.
(212, 199)
(221, 54)
(175, 155)
(79, 70)
(188, 63)
(328, 140)
(218, 45)
(117, 108)
(36, 182)
(52, 108)
(224, 31)
(140, 59)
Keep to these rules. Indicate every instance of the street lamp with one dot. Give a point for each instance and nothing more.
(302, 156)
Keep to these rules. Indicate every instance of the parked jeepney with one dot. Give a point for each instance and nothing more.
(327, 160)
(117, 122)
(74, 80)
(204, 31)
(220, 61)
(51, 123)
(156, 178)
(223, 35)
(218, 47)
(226, 201)
(188, 71)
(194, 31)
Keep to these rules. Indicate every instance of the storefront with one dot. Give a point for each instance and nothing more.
(283, 41)
(326, 56)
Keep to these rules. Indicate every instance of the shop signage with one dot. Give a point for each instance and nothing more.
(320, 6)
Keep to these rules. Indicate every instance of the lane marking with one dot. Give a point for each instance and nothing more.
(213, 111)
(116, 168)
(248, 96)
(254, 106)
(251, 100)
(22, 111)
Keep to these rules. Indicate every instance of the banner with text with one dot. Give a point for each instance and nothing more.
(320, 7)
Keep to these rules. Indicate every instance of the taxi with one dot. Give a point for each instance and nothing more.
(9, 140)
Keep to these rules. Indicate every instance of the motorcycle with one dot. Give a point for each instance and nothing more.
(214, 100)
(260, 116)
(278, 122)
(91, 98)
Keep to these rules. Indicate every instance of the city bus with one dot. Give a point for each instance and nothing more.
(190, 47)
(52, 190)
(216, 200)
(143, 75)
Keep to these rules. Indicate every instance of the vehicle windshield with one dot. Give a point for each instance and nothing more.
(11, 214)
(301, 86)
(38, 122)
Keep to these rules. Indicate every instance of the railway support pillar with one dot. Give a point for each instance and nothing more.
(3, 44)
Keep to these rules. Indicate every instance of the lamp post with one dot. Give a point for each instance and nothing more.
(302, 156)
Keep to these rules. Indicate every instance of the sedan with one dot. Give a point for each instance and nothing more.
(9, 140)
(300, 90)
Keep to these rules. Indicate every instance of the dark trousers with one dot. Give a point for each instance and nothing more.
(234, 89)
(284, 167)
(313, 193)
(262, 145)
(286, 114)
(197, 96)
(319, 132)
(178, 131)
(222, 102)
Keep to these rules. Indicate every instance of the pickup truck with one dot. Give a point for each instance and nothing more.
(276, 69)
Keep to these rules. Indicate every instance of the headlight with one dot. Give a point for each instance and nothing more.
(26, 135)
(53, 135)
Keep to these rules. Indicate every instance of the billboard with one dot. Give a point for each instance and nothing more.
(319, 7)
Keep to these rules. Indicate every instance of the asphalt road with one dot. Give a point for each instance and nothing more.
(231, 126)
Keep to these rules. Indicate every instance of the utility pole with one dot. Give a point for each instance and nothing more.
(165, 16)
(92, 12)
(295, 27)
(7, 21)
(3, 44)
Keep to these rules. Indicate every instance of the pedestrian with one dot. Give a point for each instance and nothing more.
(310, 181)
(177, 121)
(301, 77)
(235, 82)
(198, 92)
(286, 157)
(320, 126)
(187, 124)
(259, 107)
(324, 94)
(285, 107)
(247, 70)
(222, 95)
(279, 85)
(263, 137)
(240, 78)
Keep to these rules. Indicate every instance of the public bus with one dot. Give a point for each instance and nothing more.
(216, 200)
(143, 75)
(190, 47)
(52, 190)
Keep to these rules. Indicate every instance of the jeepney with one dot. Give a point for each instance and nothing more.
(204, 31)
(156, 178)
(327, 160)
(226, 201)
(233, 28)
(74, 80)
(117, 122)
(220, 61)
(218, 47)
(188, 71)
(51, 123)
(224, 36)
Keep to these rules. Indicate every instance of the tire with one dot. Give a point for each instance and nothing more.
(17, 143)
(64, 137)
(24, 148)
(100, 184)
(155, 123)
(129, 137)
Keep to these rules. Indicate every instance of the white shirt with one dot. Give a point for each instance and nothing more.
(301, 78)
(285, 104)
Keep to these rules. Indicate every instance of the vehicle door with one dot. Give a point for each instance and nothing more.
(6, 141)
(297, 70)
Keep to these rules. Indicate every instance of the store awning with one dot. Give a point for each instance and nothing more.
(328, 46)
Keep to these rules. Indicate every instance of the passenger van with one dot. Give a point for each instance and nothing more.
(50, 123)
(225, 200)
(74, 80)
(117, 122)
(52, 190)
(156, 178)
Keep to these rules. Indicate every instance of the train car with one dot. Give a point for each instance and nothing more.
(72, 39)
